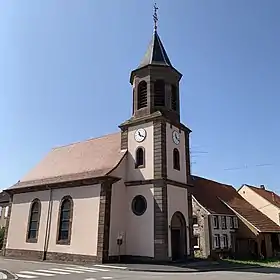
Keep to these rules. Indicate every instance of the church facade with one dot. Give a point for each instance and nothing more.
(121, 195)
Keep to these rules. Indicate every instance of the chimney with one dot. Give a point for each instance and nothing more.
(262, 187)
(273, 197)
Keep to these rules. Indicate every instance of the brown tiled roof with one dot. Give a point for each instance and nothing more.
(270, 196)
(87, 159)
(207, 194)
(211, 195)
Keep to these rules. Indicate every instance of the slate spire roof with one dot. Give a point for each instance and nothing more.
(155, 54)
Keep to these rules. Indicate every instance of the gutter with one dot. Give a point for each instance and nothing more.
(48, 226)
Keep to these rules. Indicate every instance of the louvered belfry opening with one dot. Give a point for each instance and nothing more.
(142, 95)
(174, 102)
(159, 93)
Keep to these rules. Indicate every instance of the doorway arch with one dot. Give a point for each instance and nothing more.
(178, 236)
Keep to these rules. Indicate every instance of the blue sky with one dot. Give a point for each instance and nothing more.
(64, 77)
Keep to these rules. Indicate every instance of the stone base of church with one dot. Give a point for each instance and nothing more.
(50, 256)
(80, 259)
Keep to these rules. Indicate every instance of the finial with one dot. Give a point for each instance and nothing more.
(155, 16)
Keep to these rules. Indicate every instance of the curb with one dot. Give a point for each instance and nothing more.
(10, 275)
(192, 270)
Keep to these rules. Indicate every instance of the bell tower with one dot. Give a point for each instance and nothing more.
(156, 83)
(158, 159)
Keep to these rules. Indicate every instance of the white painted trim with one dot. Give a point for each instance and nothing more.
(240, 216)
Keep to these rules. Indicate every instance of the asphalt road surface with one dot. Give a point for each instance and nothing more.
(27, 270)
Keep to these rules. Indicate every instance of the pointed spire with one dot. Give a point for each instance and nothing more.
(155, 53)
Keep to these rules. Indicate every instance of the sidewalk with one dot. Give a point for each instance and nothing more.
(200, 266)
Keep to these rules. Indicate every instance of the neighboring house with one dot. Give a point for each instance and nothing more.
(83, 199)
(216, 207)
(214, 223)
(4, 208)
(264, 200)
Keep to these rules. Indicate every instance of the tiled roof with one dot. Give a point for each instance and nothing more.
(270, 196)
(87, 159)
(207, 194)
(211, 195)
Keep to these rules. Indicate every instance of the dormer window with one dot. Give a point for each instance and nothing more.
(142, 95)
(159, 93)
(140, 158)
(176, 159)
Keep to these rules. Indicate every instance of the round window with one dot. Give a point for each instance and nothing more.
(139, 205)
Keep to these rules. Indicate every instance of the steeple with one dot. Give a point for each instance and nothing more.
(155, 54)
(156, 82)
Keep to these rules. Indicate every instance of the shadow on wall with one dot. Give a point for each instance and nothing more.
(45, 194)
(2, 234)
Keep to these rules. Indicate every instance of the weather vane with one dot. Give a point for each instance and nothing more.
(155, 16)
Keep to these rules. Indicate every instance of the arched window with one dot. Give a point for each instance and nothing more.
(176, 159)
(159, 93)
(142, 95)
(174, 102)
(65, 220)
(140, 158)
(34, 221)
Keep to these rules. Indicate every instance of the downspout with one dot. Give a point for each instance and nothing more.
(48, 226)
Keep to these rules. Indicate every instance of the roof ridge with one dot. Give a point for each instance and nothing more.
(86, 140)
(210, 180)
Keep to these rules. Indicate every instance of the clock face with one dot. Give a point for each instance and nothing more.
(140, 135)
(176, 137)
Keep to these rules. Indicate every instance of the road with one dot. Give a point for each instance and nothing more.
(27, 270)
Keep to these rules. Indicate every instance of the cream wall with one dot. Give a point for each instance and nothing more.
(177, 200)
(140, 229)
(173, 174)
(267, 208)
(148, 144)
(19, 221)
(85, 220)
(118, 211)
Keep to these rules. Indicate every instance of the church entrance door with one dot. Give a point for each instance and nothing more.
(178, 237)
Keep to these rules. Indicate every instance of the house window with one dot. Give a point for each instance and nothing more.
(174, 103)
(279, 218)
(176, 159)
(196, 242)
(1, 211)
(65, 221)
(216, 222)
(159, 93)
(140, 158)
(224, 222)
(142, 95)
(216, 241)
(6, 212)
(235, 222)
(195, 221)
(34, 221)
(225, 241)
(231, 225)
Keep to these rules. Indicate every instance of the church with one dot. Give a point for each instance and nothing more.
(125, 195)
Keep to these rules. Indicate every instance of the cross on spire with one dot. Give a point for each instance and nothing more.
(155, 16)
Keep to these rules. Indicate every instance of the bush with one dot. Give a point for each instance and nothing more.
(2, 234)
